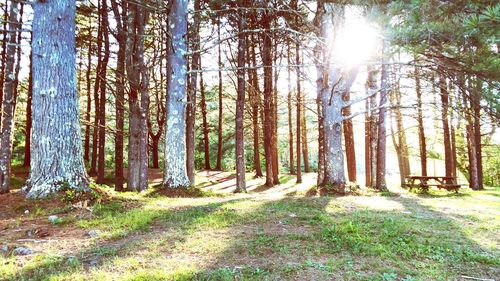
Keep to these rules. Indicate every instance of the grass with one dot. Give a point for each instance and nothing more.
(390, 236)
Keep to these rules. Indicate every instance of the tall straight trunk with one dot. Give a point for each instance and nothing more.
(3, 55)
(175, 174)
(402, 140)
(97, 84)
(448, 158)
(350, 151)
(420, 120)
(191, 95)
(371, 88)
(334, 82)
(218, 165)
(255, 102)
(121, 37)
(471, 148)
(138, 98)
(267, 61)
(400, 145)
(452, 138)
(368, 156)
(305, 149)
(86, 153)
(274, 135)
(240, 106)
(382, 130)
(18, 56)
(8, 102)
(29, 123)
(476, 110)
(57, 158)
(206, 141)
(299, 107)
(102, 97)
(289, 107)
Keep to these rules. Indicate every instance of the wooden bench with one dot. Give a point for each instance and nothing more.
(424, 182)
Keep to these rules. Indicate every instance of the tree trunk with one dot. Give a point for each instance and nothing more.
(299, 111)
(305, 150)
(240, 106)
(18, 56)
(191, 95)
(175, 175)
(381, 139)
(121, 37)
(86, 154)
(476, 109)
(29, 123)
(289, 107)
(349, 140)
(267, 61)
(97, 107)
(4, 50)
(7, 117)
(138, 98)
(102, 98)
(57, 159)
(255, 102)
(446, 128)
(206, 141)
(420, 120)
(371, 88)
(218, 165)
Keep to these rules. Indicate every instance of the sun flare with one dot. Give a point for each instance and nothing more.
(356, 43)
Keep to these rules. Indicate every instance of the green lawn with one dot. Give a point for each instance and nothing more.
(266, 235)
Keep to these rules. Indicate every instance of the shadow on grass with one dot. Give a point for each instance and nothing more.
(290, 238)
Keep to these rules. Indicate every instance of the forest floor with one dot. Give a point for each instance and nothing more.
(281, 233)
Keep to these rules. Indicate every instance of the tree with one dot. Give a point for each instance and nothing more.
(382, 138)
(120, 36)
(102, 88)
(191, 96)
(240, 103)
(57, 159)
(138, 78)
(420, 120)
(175, 174)
(9, 97)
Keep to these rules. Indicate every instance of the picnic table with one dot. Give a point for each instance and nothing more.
(424, 182)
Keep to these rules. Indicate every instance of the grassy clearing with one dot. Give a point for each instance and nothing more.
(390, 236)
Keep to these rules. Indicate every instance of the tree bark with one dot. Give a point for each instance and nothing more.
(175, 174)
(4, 50)
(382, 131)
(305, 150)
(446, 128)
(267, 61)
(206, 140)
(97, 84)
(371, 134)
(121, 37)
(86, 153)
(240, 106)
(255, 101)
(101, 165)
(8, 102)
(349, 140)
(138, 98)
(57, 158)
(191, 96)
(29, 123)
(420, 120)
(290, 117)
(218, 165)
